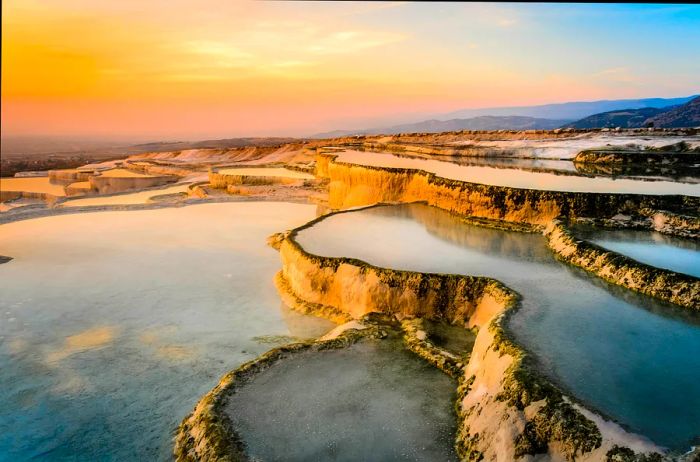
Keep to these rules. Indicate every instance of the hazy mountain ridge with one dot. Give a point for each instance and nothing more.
(626, 118)
(573, 110)
(474, 123)
(24, 153)
(541, 117)
(683, 115)
(686, 115)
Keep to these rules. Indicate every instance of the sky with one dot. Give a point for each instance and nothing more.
(176, 69)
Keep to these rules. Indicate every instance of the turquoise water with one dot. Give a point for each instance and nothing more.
(631, 357)
(114, 324)
(371, 401)
(656, 249)
(517, 178)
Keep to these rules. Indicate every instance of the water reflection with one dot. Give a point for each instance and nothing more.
(113, 324)
(630, 356)
(682, 173)
(656, 249)
(95, 337)
(517, 178)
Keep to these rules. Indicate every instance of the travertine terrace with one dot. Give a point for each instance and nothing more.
(506, 408)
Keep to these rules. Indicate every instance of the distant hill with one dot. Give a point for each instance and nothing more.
(571, 111)
(687, 115)
(625, 118)
(473, 123)
(161, 146)
(486, 118)
(22, 153)
(683, 115)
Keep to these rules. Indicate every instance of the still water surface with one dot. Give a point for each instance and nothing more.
(656, 249)
(516, 178)
(629, 356)
(371, 401)
(114, 324)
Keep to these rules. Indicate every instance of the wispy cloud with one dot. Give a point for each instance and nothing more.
(493, 15)
(216, 49)
(617, 74)
(352, 41)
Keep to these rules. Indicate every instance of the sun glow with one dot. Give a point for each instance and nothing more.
(220, 68)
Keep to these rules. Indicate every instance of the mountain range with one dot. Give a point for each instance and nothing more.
(541, 117)
(682, 115)
(685, 115)
(625, 118)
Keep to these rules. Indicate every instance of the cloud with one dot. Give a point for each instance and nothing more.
(217, 49)
(617, 74)
(351, 41)
(371, 7)
(493, 15)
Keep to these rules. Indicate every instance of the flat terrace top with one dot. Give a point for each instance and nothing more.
(123, 173)
(276, 172)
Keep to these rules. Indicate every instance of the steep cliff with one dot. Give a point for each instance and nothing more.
(356, 185)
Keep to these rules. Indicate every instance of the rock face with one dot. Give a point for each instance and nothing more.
(13, 195)
(357, 288)
(114, 184)
(69, 175)
(638, 157)
(222, 181)
(667, 222)
(355, 185)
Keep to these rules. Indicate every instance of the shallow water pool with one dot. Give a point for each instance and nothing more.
(32, 185)
(141, 197)
(656, 249)
(114, 324)
(371, 401)
(628, 355)
(517, 178)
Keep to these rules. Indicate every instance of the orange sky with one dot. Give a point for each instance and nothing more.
(185, 69)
